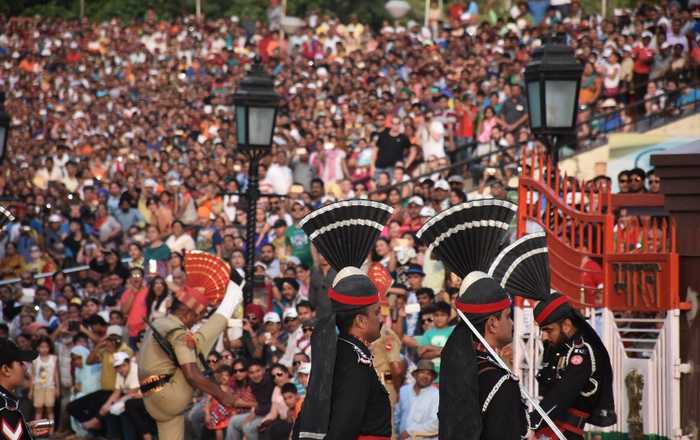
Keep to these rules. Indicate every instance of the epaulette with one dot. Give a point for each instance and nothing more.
(362, 357)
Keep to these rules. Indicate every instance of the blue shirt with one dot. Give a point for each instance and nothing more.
(538, 10)
(417, 412)
(688, 98)
(129, 218)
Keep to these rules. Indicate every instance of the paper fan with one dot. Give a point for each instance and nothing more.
(344, 232)
(5, 216)
(522, 268)
(467, 236)
(207, 273)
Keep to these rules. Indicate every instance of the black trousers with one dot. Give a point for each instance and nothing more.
(278, 430)
(88, 406)
(139, 417)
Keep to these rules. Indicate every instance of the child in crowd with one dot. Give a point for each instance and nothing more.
(216, 415)
(44, 380)
(293, 401)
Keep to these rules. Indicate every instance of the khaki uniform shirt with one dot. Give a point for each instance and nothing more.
(385, 350)
(185, 343)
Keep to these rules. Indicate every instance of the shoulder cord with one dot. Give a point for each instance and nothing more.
(593, 367)
(6, 403)
(493, 392)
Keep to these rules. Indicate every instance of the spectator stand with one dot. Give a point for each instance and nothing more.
(678, 98)
(615, 256)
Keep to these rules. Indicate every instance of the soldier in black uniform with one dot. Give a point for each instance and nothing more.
(478, 398)
(346, 400)
(575, 378)
(12, 372)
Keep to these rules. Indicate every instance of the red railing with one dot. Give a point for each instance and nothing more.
(600, 255)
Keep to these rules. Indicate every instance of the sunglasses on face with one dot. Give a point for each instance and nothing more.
(637, 179)
(623, 180)
(308, 329)
(654, 180)
(427, 321)
(226, 356)
(278, 374)
(296, 363)
(239, 370)
(212, 361)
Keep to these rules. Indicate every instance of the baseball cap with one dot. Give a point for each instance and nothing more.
(647, 34)
(415, 200)
(290, 313)
(119, 359)
(304, 368)
(455, 178)
(51, 305)
(609, 103)
(427, 211)
(10, 353)
(55, 218)
(442, 184)
(114, 330)
(415, 269)
(271, 317)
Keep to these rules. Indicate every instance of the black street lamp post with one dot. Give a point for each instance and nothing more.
(4, 128)
(255, 104)
(552, 81)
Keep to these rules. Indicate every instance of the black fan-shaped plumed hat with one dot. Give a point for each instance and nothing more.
(344, 233)
(466, 238)
(522, 268)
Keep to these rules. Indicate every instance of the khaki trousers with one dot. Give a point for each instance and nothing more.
(168, 406)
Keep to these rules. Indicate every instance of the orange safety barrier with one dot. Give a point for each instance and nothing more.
(600, 256)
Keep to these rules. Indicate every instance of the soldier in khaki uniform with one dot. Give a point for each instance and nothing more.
(170, 362)
(386, 353)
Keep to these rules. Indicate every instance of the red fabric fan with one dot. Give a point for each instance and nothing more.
(381, 278)
(207, 279)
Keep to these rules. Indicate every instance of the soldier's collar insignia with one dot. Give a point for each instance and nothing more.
(362, 357)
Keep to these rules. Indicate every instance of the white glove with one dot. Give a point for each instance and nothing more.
(233, 297)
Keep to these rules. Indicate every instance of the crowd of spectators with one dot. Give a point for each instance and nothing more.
(122, 157)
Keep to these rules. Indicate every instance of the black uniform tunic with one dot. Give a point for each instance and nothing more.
(503, 413)
(570, 385)
(360, 403)
(12, 423)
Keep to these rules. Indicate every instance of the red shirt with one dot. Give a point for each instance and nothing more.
(465, 120)
(643, 57)
(137, 312)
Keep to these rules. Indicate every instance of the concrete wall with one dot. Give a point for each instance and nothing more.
(627, 150)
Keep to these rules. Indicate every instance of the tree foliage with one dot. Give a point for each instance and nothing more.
(368, 11)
